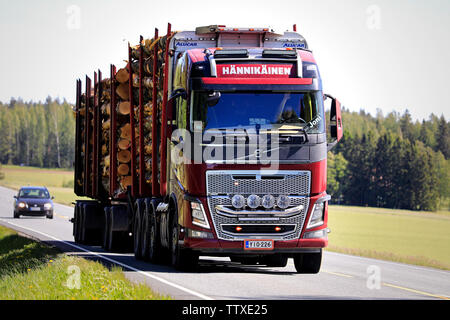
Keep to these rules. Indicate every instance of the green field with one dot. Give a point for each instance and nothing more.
(421, 238)
(30, 270)
(58, 181)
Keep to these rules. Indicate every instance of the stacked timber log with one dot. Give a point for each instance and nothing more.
(82, 112)
(147, 47)
(135, 105)
(105, 116)
(123, 134)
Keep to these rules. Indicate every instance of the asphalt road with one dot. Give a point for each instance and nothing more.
(341, 277)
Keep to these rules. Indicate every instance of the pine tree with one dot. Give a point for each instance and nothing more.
(443, 137)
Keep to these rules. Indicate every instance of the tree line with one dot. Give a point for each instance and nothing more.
(37, 134)
(391, 162)
(384, 161)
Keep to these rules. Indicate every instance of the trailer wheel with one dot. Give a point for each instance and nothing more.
(75, 223)
(182, 259)
(308, 262)
(145, 235)
(156, 253)
(137, 228)
(115, 238)
(106, 231)
(81, 224)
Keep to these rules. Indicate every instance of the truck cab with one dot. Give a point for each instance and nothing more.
(247, 148)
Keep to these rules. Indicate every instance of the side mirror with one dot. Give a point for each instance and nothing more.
(53, 197)
(213, 98)
(336, 127)
(15, 197)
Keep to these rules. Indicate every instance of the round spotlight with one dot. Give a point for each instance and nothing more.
(253, 201)
(283, 202)
(238, 201)
(268, 201)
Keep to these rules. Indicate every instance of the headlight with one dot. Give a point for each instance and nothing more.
(268, 201)
(238, 201)
(253, 201)
(283, 202)
(22, 205)
(316, 215)
(198, 215)
(48, 206)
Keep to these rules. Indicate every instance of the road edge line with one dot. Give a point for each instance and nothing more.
(147, 274)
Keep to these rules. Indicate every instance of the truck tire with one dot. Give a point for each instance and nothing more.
(137, 230)
(115, 238)
(81, 224)
(275, 260)
(90, 226)
(182, 259)
(145, 234)
(16, 215)
(106, 232)
(76, 223)
(308, 262)
(155, 253)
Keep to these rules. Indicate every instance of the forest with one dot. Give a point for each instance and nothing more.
(391, 162)
(386, 161)
(37, 134)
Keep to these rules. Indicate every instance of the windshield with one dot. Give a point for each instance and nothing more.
(34, 193)
(269, 110)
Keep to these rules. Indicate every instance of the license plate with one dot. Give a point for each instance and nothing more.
(35, 209)
(258, 244)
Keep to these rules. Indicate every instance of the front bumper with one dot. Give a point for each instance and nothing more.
(29, 213)
(223, 247)
(213, 245)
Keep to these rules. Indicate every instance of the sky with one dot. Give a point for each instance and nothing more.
(372, 55)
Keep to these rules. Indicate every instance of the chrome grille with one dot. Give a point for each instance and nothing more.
(222, 185)
(256, 182)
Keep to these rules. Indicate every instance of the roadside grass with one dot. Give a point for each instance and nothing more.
(420, 238)
(30, 270)
(59, 182)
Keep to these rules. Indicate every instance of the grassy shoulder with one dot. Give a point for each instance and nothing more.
(58, 181)
(30, 270)
(420, 238)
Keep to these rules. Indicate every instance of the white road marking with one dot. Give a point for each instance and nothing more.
(147, 274)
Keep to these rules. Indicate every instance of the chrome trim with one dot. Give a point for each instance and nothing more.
(299, 66)
(221, 189)
(225, 211)
(246, 235)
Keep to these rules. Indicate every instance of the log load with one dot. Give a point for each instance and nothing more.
(151, 79)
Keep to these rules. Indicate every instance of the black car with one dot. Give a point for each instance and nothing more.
(33, 201)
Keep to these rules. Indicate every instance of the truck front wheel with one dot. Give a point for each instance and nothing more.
(275, 260)
(182, 259)
(308, 262)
